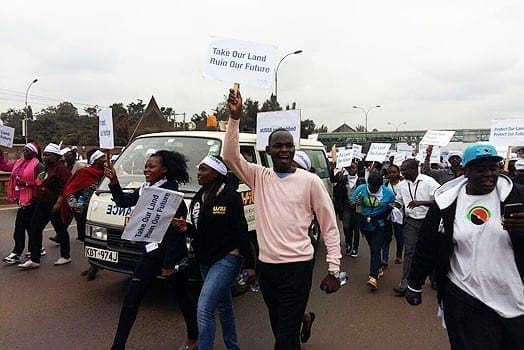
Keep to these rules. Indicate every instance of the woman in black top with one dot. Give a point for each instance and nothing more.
(163, 169)
(219, 228)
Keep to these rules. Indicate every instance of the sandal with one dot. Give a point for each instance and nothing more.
(305, 333)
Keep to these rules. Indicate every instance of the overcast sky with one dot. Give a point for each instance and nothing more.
(438, 65)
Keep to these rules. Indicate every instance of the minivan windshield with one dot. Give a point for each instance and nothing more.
(130, 164)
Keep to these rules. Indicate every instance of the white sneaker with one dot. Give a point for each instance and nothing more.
(29, 264)
(42, 253)
(12, 259)
(62, 261)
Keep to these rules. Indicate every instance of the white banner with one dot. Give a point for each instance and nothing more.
(357, 150)
(507, 132)
(344, 158)
(152, 215)
(269, 121)
(404, 148)
(437, 138)
(378, 152)
(105, 128)
(6, 136)
(238, 61)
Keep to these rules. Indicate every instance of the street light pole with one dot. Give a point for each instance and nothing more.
(366, 116)
(396, 126)
(278, 65)
(26, 120)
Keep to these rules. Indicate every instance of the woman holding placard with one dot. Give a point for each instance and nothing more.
(163, 169)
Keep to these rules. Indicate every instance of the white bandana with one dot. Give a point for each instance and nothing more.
(214, 163)
(98, 154)
(31, 147)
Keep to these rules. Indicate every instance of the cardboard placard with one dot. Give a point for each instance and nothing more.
(105, 128)
(437, 138)
(378, 152)
(6, 136)
(267, 122)
(344, 158)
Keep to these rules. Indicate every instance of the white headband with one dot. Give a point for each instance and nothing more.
(31, 147)
(95, 156)
(214, 163)
(302, 159)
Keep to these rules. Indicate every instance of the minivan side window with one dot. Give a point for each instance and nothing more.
(248, 152)
(318, 162)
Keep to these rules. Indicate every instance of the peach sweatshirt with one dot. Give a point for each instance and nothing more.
(284, 208)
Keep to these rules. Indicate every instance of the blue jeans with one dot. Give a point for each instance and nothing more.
(375, 241)
(216, 294)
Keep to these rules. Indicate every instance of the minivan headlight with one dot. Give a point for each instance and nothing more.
(96, 232)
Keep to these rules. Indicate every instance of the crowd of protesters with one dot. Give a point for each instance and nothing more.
(451, 223)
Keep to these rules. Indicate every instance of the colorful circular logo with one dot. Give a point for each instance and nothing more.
(479, 215)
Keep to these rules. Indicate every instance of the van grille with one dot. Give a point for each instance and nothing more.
(114, 241)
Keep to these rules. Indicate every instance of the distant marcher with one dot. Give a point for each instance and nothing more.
(392, 226)
(479, 259)
(443, 175)
(70, 158)
(519, 172)
(20, 189)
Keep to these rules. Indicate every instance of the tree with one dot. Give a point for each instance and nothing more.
(271, 105)
(360, 128)
(135, 111)
(248, 123)
(92, 111)
(322, 128)
(307, 127)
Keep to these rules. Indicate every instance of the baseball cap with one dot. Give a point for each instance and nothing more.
(477, 152)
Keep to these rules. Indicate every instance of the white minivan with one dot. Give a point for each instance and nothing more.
(105, 220)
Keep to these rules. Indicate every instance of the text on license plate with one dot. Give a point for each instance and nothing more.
(101, 254)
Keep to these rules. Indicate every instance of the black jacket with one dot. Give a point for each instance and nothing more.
(173, 247)
(434, 248)
(219, 227)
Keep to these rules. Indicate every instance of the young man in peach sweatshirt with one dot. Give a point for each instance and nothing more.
(287, 198)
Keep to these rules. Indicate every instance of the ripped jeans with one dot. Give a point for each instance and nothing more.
(147, 268)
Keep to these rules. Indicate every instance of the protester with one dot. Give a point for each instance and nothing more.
(394, 224)
(479, 262)
(287, 200)
(351, 213)
(220, 241)
(375, 199)
(519, 172)
(20, 189)
(447, 173)
(49, 185)
(414, 195)
(70, 158)
(163, 169)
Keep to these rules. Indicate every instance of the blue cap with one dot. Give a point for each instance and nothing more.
(480, 151)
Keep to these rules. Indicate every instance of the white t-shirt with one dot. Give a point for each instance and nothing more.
(483, 263)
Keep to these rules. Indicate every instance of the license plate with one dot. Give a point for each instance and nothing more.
(101, 254)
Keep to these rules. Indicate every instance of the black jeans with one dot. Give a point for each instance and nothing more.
(61, 233)
(285, 288)
(81, 219)
(351, 225)
(22, 223)
(39, 220)
(473, 325)
(147, 268)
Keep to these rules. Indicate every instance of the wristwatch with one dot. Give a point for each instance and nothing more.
(335, 274)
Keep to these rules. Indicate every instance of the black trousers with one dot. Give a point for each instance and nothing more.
(285, 288)
(39, 220)
(62, 234)
(473, 325)
(148, 267)
(22, 223)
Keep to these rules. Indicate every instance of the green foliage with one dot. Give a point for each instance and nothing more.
(360, 128)
(13, 118)
(271, 105)
(136, 111)
(307, 127)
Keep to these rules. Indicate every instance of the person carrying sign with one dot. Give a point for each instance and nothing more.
(163, 169)
(442, 175)
(287, 200)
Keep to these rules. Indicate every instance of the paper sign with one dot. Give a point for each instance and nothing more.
(238, 61)
(404, 148)
(378, 152)
(344, 158)
(357, 149)
(6, 136)
(400, 157)
(312, 137)
(507, 132)
(105, 128)
(269, 121)
(437, 138)
(152, 215)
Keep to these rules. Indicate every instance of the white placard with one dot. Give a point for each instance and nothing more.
(377, 152)
(357, 149)
(437, 138)
(400, 157)
(238, 61)
(6, 136)
(269, 121)
(507, 132)
(344, 158)
(312, 137)
(404, 148)
(105, 128)
(152, 215)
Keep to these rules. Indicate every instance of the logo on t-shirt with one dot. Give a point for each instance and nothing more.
(479, 215)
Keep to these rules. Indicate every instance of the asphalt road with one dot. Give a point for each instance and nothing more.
(55, 308)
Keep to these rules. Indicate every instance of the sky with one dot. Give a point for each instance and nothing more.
(429, 65)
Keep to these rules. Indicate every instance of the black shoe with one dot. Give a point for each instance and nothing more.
(81, 239)
(54, 239)
(305, 333)
(400, 292)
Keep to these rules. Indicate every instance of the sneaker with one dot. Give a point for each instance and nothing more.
(380, 272)
(372, 283)
(42, 253)
(12, 259)
(348, 250)
(29, 264)
(354, 254)
(62, 261)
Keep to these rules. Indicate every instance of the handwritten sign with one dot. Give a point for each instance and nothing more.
(404, 148)
(105, 128)
(507, 132)
(6, 136)
(152, 215)
(344, 158)
(437, 138)
(267, 122)
(238, 61)
(378, 152)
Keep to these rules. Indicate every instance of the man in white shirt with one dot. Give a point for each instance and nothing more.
(415, 195)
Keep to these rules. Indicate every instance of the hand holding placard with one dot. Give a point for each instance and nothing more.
(234, 102)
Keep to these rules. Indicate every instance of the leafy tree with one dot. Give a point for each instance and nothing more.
(135, 111)
(322, 128)
(92, 111)
(271, 105)
(248, 123)
(307, 127)
(360, 128)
